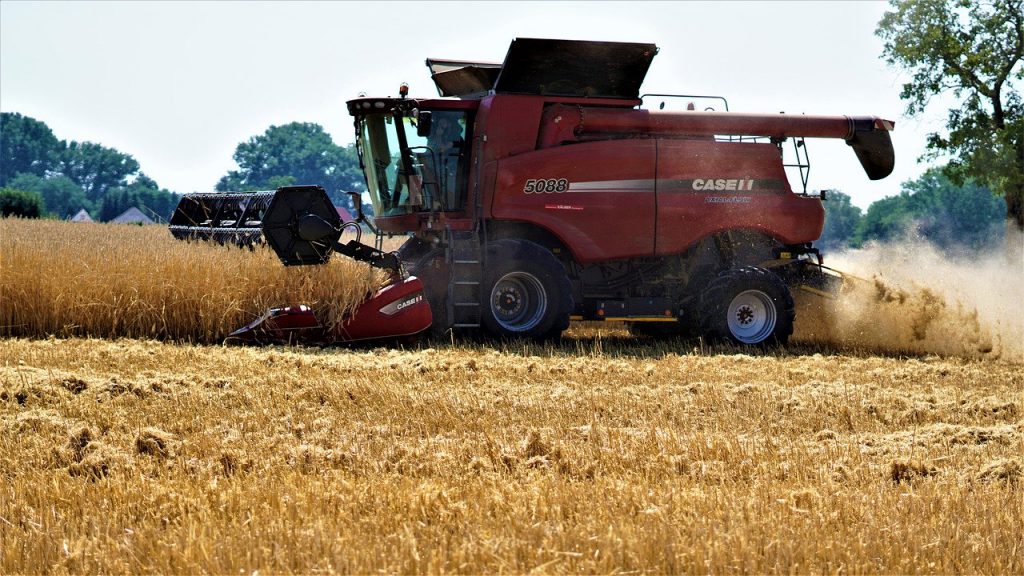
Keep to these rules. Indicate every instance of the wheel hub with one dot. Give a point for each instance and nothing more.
(745, 315)
(518, 301)
(509, 301)
(752, 317)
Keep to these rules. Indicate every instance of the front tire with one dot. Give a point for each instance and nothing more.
(526, 293)
(748, 306)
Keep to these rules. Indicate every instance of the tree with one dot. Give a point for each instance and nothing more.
(20, 203)
(949, 216)
(884, 220)
(350, 173)
(952, 216)
(841, 219)
(144, 194)
(63, 198)
(974, 49)
(27, 146)
(296, 153)
(70, 177)
(96, 168)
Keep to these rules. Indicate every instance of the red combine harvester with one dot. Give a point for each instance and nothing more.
(540, 191)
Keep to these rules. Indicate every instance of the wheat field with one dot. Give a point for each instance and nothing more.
(602, 453)
(110, 281)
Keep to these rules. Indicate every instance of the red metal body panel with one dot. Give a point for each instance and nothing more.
(616, 206)
(509, 124)
(706, 187)
(607, 210)
(395, 311)
(400, 224)
(423, 221)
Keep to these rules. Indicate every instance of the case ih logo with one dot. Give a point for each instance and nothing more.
(400, 305)
(720, 184)
(659, 185)
(410, 302)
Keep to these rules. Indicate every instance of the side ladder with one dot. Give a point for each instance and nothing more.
(465, 262)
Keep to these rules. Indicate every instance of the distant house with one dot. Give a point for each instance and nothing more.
(82, 216)
(132, 216)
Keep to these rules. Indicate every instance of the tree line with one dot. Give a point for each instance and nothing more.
(41, 176)
(967, 218)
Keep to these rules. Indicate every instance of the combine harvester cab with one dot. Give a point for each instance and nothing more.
(303, 228)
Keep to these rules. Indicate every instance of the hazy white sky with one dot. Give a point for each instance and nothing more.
(180, 84)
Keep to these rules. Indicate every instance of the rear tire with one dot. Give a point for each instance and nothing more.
(748, 306)
(525, 293)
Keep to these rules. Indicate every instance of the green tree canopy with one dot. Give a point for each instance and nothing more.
(96, 168)
(841, 220)
(62, 196)
(885, 219)
(27, 146)
(20, 203)
(297, 153)
(76, 175)
(143, 194)
(951, 217)
(973, 49)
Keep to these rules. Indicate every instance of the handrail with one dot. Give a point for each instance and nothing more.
(701, 96)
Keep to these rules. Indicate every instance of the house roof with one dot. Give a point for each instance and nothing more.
(82, 216)
(132, 216)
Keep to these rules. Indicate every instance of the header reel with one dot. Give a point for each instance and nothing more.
(299, 222)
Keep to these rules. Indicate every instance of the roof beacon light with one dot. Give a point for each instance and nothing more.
(403, 90)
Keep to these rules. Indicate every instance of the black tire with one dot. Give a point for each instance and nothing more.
(525, 293)
(748, 306)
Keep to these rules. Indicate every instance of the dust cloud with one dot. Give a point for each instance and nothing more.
(909, 297)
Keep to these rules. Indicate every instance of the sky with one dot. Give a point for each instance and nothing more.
(179, 85)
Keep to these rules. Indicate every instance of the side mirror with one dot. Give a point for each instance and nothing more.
(423, 122)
